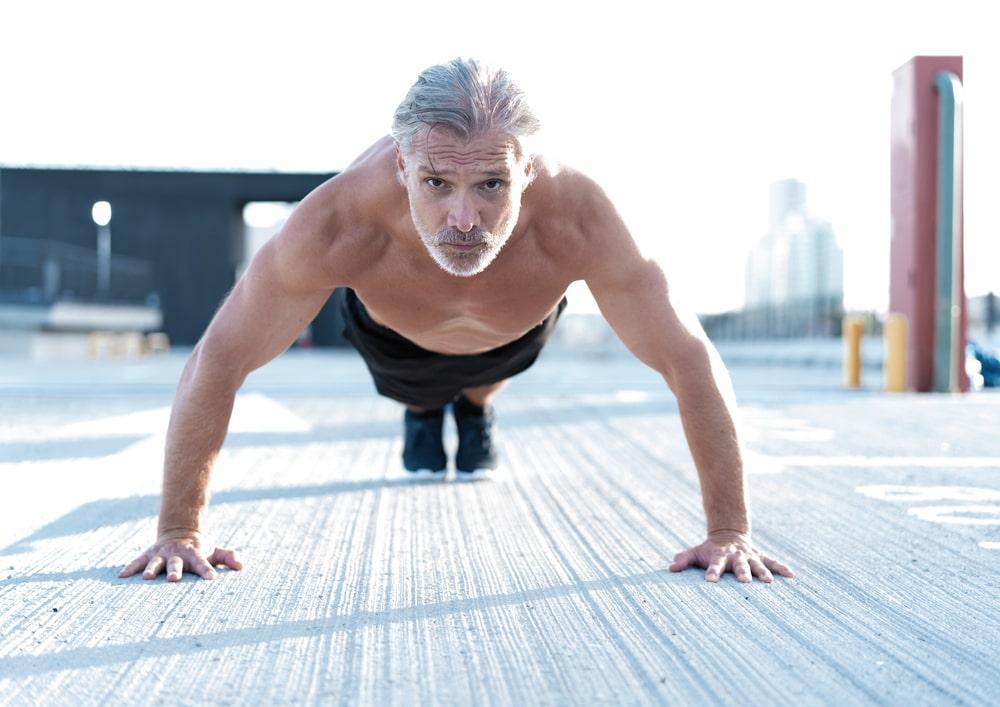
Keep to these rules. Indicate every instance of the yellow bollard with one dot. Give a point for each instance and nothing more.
(894, 366)
(116, 345)
(94, 344)
(854, 329)
(100, 344)
(131, 344)
(157, 343)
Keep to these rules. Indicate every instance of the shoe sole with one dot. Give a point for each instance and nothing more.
(462, 475)
(426, 473)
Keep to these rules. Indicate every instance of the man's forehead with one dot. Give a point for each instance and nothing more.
(442, 149)
(445, 167)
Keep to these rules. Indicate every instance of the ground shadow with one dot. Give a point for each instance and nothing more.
(106, 574)
(576, 412)
(115, 511)
(74, 448)
(78, 658)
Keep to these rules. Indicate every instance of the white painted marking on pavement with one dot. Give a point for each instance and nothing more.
(885, 462)
(252, 412)
(758, 424)
(923, 494)
(953, 514)
(814, 434)
(631, 396)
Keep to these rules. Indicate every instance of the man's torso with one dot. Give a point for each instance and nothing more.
(383, 260)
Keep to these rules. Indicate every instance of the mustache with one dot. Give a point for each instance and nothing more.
(453, 235)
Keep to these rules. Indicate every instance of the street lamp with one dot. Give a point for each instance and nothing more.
(101, 213)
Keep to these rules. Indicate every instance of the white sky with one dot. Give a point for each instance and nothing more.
(684, 114)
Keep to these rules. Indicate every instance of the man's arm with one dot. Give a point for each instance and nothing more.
(279, 294)
(634, 297)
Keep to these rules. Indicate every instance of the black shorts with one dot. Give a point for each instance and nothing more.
(415, 376)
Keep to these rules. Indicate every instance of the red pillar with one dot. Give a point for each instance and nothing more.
(914, 211)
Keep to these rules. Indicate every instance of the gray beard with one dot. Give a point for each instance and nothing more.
(458, 263)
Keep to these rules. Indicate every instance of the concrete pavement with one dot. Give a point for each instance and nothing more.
(544, 584)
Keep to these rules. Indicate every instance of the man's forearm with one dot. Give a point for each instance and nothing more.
(708, 407)
(198, 424)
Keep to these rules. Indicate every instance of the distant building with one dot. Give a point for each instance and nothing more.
(794, 276)
(798, 259)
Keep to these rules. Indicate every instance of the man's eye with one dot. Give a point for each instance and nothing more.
(434, 182)
(493, 185)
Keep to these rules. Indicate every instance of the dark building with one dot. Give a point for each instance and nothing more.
(177, 238)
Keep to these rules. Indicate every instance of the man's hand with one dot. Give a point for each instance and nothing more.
(729, 550)
(175, 553)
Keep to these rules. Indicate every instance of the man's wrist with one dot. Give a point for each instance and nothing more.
(178, 532)
(728, 532)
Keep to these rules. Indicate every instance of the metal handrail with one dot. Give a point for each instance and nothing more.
(948, 354)
(38, 270)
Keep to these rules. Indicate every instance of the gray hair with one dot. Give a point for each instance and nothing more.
(468, 98)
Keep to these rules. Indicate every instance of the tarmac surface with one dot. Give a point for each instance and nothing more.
(545, 583)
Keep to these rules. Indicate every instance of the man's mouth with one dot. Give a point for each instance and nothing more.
(464, 246)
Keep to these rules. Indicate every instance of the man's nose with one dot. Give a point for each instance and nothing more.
(463, 215)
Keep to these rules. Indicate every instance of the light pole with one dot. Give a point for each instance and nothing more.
(101, 213)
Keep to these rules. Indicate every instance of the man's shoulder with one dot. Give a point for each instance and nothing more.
(341, 224)
(561, 181)
(570, 204)
(362, 192)
(579, 225)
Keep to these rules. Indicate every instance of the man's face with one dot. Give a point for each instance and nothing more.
(465, 196)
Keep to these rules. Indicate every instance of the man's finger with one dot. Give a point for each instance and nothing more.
(175, 569)
(200, 567)
(760, 571)
(134, 566)
(779, 567)
(715, 568)
(741, 569)
(682, 560)
(225, 557)
(153, 568)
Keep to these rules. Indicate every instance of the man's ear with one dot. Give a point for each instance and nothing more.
(400, 167)
(529, 173)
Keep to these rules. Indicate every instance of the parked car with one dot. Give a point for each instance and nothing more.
(988, 365)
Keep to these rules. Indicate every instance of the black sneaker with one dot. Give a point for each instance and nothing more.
(423, 448)
(476, 448)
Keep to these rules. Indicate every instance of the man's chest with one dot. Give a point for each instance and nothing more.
(450, 314)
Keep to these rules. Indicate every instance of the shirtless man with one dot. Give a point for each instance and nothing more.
(456, 242)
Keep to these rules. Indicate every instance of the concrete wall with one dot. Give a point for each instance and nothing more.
(188, 224)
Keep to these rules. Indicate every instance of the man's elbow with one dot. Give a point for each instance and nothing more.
(214, 363)
(692, 360)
